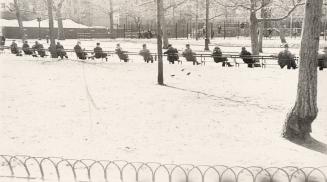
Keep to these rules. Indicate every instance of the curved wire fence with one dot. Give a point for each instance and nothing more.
(60, 169)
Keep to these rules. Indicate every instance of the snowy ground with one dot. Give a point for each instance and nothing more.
(116, 111)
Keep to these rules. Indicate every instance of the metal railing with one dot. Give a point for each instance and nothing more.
(61, 169)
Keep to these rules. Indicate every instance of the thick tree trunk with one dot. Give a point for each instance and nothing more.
(51, 30)
(254, 33)
(61, 35)
(207, 41)
(304, 112)
(261, 32)
(159, 41)
(19, 19)
(197, 20)
(111, 18)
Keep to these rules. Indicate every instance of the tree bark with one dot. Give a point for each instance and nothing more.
(159, 41)
(206, 41)
(254, 33)
(111, 18)
(299, 120)
(61, 34)
(19, 19)
(51, 30)
(197, 21)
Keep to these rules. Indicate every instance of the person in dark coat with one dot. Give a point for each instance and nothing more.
(322, 59)
(121, 54)
(286, 58)
(98, 52)
(190, 55)
(26, 49)
(146, 54)
(172, 54)
(39, 48)
(14, 48)
(80, 53)
(218, 57)
(245, 55)
(2, 40)
(60, 50)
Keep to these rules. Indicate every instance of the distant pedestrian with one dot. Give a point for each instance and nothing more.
(219, 58)
(190, 55)
(172, 54)
(146, 54)
(286, 58)
(2, 40)
(121, 54)
(322, 59)
(98, 52)
(246, 56)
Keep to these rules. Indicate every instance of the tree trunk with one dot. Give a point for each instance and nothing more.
(197, 21)
(281, 33)
(164, 29)
(19, 19)
(254, 33)
(111, 19)
(262, 26)
(299, 120)
(51, 30)
(206, 41)
(61, 35)
(159, 41)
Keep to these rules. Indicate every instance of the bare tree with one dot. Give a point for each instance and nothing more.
(253, 6)
(58, 8)
(206, 41)
(51, 29)
(159, 41)
(19, 19)
(299, 120)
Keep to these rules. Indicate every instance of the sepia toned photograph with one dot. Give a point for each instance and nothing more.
(163, 90)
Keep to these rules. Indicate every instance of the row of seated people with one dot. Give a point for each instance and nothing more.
(37, 49)
(172, 56)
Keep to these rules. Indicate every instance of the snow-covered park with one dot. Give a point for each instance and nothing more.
(116, 111)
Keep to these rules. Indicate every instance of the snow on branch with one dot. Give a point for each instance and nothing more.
(299, 3)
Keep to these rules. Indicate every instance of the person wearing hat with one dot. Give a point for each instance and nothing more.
(286, 58)
(121, 54)
(190, 55)
(98, 52)
(146, 54)
(80, 53)
(246, 56)
(14, 47)
(218, 57)
(322, 59)
(26, 48)
(172, 54)
(60, 50)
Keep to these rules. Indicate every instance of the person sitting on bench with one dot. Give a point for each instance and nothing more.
(218, 57)
(322, 60)
(27, 50)
(80, 53)
(39, 48)
(190, 55)
(121, 54)
(14, 48)
(246, 56)
(60, 50)
(146, 54)
(172, 54)
(98, 53)
(286, 58)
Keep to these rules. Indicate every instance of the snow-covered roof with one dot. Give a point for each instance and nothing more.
(44, 23)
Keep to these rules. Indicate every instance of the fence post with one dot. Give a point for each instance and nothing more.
(187, 30)
(224, 29)
(176, 30)
(124, 31)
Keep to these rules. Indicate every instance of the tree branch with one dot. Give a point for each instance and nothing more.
(175, 5)
(283, 17)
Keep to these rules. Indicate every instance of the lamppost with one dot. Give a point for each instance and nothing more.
(39, 19)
